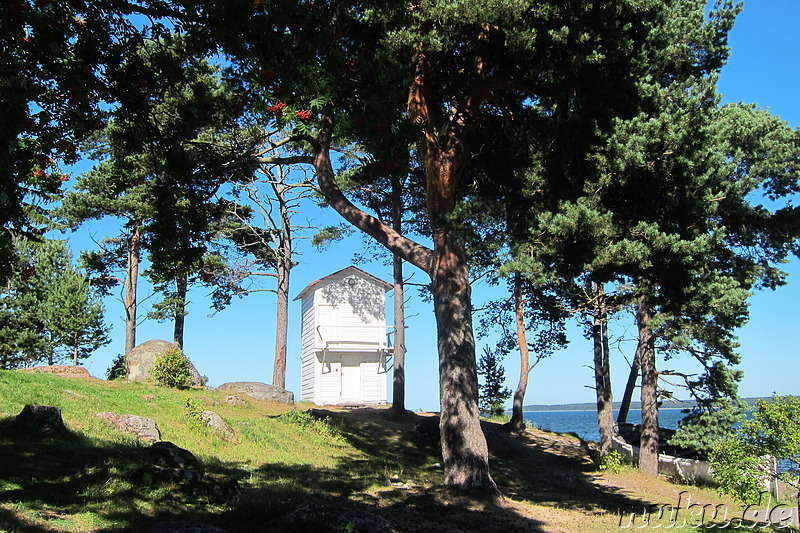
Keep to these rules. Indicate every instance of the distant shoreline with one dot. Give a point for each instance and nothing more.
(677, 404)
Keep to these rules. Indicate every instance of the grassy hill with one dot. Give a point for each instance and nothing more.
(339, 470)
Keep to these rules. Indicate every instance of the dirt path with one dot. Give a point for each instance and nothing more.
(549, 483)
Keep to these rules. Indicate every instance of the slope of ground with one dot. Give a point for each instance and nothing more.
(356, 470)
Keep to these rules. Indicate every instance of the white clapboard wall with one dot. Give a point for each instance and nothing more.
(345, 348)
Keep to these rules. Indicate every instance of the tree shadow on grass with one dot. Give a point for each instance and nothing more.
(553, 471)
(68, 482)
(48, 477)
(395, 484)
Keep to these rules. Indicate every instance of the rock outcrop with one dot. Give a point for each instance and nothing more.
(139, 361)
(177, 468)
(260, 391)
(216, 423)
(141, 427)
(235, 400)
(65, 371)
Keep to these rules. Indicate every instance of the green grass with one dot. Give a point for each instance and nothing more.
(283, 460)
(80, 483)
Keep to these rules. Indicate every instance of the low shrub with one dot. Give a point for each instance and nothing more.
(171, 369)
(306, 420)
(612, 462)
(193, 409)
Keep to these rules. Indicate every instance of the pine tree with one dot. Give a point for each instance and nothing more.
(441, 77)
(53, 296)
(261, 225)
(77, 314)
(492, 393)
(657, 202)
(20, 339)
(170, 146)
(123, 192)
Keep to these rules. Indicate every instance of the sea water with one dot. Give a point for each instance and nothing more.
(584, 423)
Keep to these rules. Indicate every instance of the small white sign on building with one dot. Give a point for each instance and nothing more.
(345, 347)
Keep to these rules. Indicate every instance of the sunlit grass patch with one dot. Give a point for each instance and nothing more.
(280, 455)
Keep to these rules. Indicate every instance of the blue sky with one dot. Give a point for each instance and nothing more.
(237, 344)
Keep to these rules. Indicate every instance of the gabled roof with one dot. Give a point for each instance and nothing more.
(351, 270)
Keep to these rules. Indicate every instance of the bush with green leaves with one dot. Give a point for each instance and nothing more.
(612, 462)
(744, 462)
(193, 410)
(171, 369)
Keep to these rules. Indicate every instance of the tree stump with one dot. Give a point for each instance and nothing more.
(41, 419)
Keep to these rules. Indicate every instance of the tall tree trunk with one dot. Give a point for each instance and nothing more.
(517, 421)
(602, 371)
(648, 449)
(181, 284)
(75, 350)
(630, 386)
(399, 372)
(464, 449)
(131, 285)
(284, 267)
(281, 322)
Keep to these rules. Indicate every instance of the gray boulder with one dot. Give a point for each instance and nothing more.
(166, 454)
(216, 423)
(139, 361)
(139, 426)
(426, 431)
(260, 391)
(235, 400)
(178, 469)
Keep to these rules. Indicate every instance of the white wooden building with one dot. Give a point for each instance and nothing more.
(345, 347)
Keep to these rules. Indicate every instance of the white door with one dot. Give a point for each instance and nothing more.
(351, 377)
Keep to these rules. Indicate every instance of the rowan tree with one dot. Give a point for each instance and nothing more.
(53, 88)
(753, 454)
